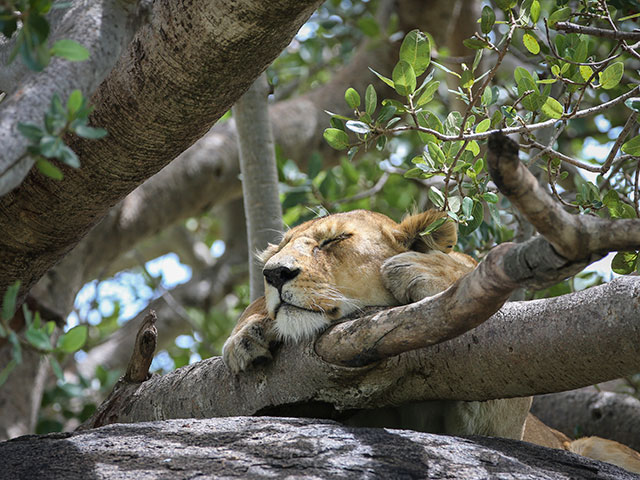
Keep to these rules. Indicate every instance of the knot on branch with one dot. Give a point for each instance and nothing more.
(502, 161)
(143, 350)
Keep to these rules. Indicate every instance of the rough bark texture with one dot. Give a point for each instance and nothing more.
(500, 358)
(574, 237)
(283, 447)
(206, 54)
(104, 28)
(587, 412)
(262, 208)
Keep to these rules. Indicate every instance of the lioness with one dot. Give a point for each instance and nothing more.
(330, 267)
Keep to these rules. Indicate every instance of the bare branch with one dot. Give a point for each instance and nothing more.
(597, 32)
(574, 237)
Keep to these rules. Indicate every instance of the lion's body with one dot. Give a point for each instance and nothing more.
(328, 268)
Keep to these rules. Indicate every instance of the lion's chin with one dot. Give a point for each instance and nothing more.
(295, 324)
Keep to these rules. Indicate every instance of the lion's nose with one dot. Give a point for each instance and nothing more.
(278, 276)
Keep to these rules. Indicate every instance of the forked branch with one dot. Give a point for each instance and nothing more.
(570, 243)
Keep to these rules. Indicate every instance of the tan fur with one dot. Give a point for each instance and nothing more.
(334, 265)
(606, 451)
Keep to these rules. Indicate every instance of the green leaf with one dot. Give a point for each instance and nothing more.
(611, 75)
(4, 374)
(531, 43)
(473, 147)
(16, 349)
(483, 126)
(490, 197)
(559, 16)
(487, 20)
(474, 43)
(38, 339)
(416, 51)
(90, 132)
(624, 262)
(73, 340)
(57, 369)
(506, 4)
(74, 102)
(404, 78)
(70, 50)
(428, 93)
(477, 213)
(370, 100)
(315, 165)
(616, 207)
(535, 11)
(386, 112)
(336, 138)
(383, 78)
(49, 169)
(436, 197)
(69, 157)
(552, 108)
(358, 127)
(467, 79)
(413, 173)
(632, 147)
(352, 98)
(30, 131)
(436, 154)
(433, 226)
(633, 103)
(9, 300)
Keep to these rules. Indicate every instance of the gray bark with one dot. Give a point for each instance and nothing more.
(505, 349)
(259, 177)
(587, 412)
(205, 54)
(283, 447)
(104, 28)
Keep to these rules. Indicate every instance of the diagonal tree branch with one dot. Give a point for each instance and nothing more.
(104, 28)
(216, 41)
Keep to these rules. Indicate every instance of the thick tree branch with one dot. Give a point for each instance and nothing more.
(104, 28)
(216, 41)
(506, 349)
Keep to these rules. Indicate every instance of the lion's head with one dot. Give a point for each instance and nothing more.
(329, 267)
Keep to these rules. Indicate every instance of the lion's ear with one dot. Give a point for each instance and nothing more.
(443, 238)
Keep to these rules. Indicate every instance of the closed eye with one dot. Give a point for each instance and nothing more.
(336, 239)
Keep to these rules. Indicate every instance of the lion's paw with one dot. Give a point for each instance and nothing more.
(246, 347)
(412, 276)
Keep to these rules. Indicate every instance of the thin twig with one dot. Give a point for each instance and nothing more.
(520, 129)
(628, 126)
